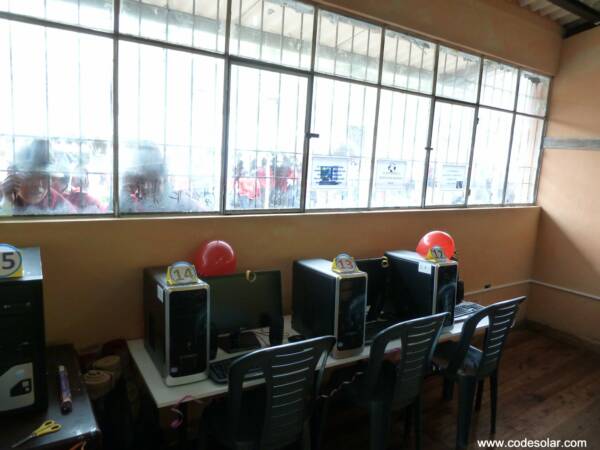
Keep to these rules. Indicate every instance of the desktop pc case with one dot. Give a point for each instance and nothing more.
(22, 339)
(421, 287)
(176, 327)
(325, 302)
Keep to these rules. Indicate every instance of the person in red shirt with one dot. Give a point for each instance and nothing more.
(27, 188)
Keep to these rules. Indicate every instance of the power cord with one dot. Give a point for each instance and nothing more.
(336, 390)
(176, 423)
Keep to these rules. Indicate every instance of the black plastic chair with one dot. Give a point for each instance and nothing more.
(460, 362)
(397, 384)
(276, 414)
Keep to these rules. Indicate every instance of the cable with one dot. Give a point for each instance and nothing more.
(176, 423)
(341, 386)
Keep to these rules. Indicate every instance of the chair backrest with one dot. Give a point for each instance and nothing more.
(418, 338)
(292, 374)
(501, 317)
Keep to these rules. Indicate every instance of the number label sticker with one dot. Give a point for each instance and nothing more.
(344, 263)
(436, 253)
(11, 262)
(181, 273)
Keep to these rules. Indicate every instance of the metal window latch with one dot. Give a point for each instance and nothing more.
(428, 148)
(312, 135)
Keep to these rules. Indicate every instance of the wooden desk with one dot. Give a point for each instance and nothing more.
(165, 396)
(80, 424)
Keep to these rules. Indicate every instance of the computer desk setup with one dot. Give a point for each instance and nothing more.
(245, 313)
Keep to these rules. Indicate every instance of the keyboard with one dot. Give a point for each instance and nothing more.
(466, 309)
(219, 371)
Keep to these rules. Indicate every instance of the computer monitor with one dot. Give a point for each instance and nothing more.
(241, 302)
(377, 286)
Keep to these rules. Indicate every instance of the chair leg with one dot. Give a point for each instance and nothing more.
(448, 391)
(379, 426)
(494, 399)
(466, 396)
(318, 422)
(417, 409)
(408, 418)
(479, 397)
(305, 441)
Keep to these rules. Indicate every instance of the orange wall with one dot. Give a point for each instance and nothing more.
(568, 247)
(93, 268)
(498, 28)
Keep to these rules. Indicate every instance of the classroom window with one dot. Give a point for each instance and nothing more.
(400, 155)
(266, 139)
(449, 157)
(170, 127)
(55, 121)
(522, 172)
(458, 75)
(340, 158)
(197, 23)
(347, 47)
(272, 31)
(242, 106)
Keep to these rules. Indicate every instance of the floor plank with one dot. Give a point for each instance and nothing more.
(547, 389)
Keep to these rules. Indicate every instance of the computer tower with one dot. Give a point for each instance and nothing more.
(420, 287)
(176, 327)
(325, 302)
(23, 384)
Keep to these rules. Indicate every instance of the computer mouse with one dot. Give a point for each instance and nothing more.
(296, 338)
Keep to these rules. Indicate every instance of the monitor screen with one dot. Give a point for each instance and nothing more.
(377, 273)
(239, 304)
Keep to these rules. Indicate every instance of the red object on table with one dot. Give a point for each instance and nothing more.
(214, 258)
(436, 239)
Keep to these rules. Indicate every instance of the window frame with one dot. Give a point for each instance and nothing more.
(230, 59)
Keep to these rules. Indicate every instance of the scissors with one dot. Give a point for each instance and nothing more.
(49, 426)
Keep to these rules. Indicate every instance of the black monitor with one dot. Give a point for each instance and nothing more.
(377, 284)
(242, 302)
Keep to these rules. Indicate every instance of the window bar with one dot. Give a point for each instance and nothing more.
(80, 162)
(308, 111)
(301, 52)
(12, 90)
(282, 37)
(115, 107)
(277, 147)
(420, 69)
(408, 67)
(376, 121)
(226, 111)
(335, 53)
(191, 135)
(262, 27)
(540, 156)
(428, 148)
(473, 136)
(397, 41)
(512, 137)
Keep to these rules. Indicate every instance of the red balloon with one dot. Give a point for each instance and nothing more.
(439, 239)
(214, 258)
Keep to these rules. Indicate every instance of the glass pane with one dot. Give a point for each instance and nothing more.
(524, 157)
(347, 47)
(55, 121)
(408, 62)
(400, 155)
(340, 159)
(458, 75)
(449, 159)
(196, 23)
(266, 139)
(170, 128)
(490, 156)
(87, 13)
(498, 85)
(272, 30)
(533, 93)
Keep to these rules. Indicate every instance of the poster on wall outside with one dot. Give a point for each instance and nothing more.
(329, 172)
(453, 177)
(390, 173)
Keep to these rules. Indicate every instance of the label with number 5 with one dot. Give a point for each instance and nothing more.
(11, 262)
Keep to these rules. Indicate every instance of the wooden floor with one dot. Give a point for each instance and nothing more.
(547, 389)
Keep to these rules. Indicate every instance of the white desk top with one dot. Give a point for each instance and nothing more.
(164, 395)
